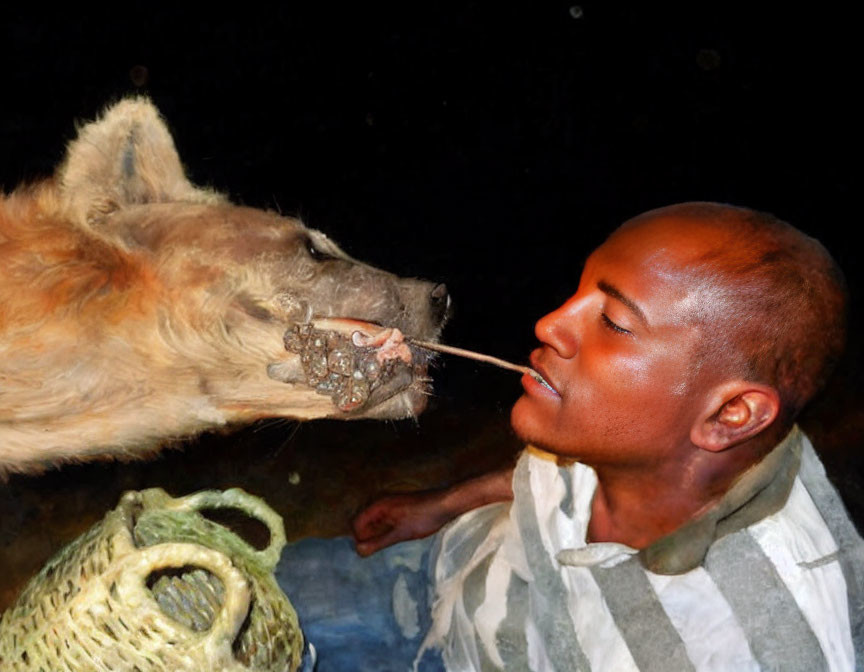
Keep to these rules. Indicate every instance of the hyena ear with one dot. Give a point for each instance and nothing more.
(125, 157)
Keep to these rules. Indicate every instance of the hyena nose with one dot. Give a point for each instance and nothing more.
(439, 299)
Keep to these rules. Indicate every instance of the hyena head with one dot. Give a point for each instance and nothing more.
(160, 309)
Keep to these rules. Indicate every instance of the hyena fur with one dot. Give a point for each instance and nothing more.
(136, 308)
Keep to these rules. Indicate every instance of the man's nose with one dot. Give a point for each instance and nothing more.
(560, 329)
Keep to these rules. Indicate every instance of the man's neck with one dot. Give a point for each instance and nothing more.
(638, 506)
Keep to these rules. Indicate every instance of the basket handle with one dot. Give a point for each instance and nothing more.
(130, 576)
(255, 507)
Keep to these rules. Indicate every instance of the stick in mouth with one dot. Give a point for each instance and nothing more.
(489, 359)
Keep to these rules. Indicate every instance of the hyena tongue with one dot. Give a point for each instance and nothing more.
(346, 326)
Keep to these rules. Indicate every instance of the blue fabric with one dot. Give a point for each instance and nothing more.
(360, 614)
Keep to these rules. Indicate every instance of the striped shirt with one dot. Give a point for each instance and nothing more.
(766, 588)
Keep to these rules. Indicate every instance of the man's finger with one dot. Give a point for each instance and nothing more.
(371, 524)
(369, 546)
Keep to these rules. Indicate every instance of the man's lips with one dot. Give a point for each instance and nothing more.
(542, 380)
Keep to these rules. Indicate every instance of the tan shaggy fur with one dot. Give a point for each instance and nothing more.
(135, 307)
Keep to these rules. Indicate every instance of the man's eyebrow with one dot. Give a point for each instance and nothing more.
(616, 293)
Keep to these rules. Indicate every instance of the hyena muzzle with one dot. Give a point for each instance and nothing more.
(136, 308)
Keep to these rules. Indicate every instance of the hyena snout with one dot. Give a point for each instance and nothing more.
(418, 308)
(439, 303)
(422, 309)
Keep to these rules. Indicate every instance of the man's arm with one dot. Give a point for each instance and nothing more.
(396, 518)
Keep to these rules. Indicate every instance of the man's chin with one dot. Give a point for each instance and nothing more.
(524, 421)
(534, 428)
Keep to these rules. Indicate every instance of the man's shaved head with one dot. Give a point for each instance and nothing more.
(772, 301)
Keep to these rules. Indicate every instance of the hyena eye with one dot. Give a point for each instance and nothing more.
(316, 253)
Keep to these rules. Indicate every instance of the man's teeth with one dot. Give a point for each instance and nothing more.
(540, 379)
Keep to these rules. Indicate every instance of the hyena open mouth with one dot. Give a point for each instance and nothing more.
(358, 364)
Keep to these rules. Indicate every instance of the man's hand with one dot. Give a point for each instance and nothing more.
(396, 518)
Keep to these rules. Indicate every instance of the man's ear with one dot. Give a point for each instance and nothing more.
(735, 412)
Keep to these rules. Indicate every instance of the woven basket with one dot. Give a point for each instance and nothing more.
(157, 586)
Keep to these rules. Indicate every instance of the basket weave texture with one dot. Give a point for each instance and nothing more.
(156, 586)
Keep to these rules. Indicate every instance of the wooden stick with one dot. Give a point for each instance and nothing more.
(461, 352)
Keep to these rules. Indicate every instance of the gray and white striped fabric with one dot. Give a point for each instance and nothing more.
(782, 594)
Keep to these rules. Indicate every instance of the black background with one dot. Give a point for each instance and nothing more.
(488, 145)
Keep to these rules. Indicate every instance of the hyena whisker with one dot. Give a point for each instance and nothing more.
(270, 423)
(274, 453)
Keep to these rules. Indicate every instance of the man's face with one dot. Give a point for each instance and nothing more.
(618, 353)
